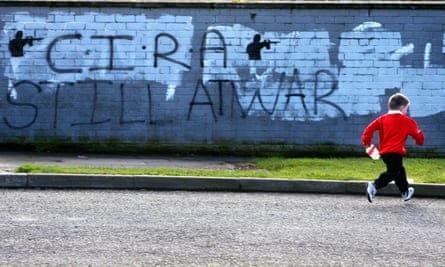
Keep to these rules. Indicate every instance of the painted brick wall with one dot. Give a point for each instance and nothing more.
(190, 74)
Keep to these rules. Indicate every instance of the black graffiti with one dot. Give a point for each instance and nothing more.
(166, 54)
(122, 120)
(253, 50)
(49, 59)
(257, 94)
(56, 102)
(31, 106)
(92, 119)
(292, 92)
(295, 90)
(216, 49)
(201, 91)
(17, 44)
(112, 43)
(209, 102)
(321, 98)
(298, 92)
(23, 107)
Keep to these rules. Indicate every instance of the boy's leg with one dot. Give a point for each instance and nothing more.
(401, 181)
(394, 165)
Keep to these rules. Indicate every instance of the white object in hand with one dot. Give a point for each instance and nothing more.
(373, 152)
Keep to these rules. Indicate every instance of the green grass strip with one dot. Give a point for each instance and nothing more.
(343, 169)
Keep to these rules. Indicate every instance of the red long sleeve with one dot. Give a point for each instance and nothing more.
(394, 130)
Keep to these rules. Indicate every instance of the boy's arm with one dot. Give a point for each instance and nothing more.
(419, 137)
(368, 133)
(416, 133)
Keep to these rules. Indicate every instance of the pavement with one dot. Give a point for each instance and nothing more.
(11, 160)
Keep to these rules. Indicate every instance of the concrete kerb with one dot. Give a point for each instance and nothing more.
(128, 182)
(13, 180)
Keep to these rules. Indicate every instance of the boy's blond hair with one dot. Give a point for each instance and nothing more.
(397, 100)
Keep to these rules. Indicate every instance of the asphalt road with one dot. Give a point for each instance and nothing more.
(168, 228)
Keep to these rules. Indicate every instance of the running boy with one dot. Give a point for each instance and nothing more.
(394, 129)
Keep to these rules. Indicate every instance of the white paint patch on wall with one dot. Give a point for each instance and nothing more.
(370, 64)
(292, 79)
(288, 66)
(297, 63)
(70, 47)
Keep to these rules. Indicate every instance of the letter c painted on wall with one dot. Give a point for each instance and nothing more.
(51, 64)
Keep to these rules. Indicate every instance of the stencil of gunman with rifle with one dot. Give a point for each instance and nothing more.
(254, 52)
(254, 48)
(16, 45)
(16, 48)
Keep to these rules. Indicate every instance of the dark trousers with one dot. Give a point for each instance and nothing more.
(394, 172)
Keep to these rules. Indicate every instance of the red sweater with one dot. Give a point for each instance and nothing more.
(394, 129)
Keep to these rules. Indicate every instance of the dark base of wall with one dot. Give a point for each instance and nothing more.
(222, 148)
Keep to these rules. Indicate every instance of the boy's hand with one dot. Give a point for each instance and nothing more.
(373, 152)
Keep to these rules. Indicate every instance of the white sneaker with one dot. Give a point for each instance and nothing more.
(408, 194)
(371, 191)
